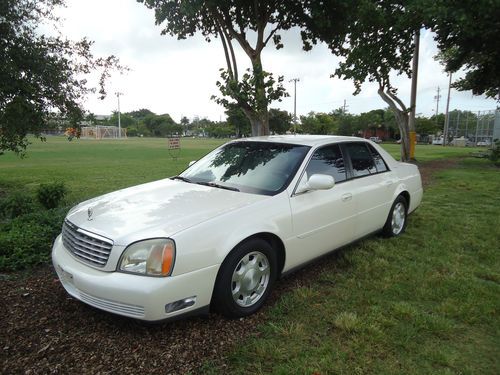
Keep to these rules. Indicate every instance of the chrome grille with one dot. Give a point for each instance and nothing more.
(88, 247)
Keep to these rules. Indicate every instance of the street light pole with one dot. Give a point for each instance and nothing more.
(119, 120)
(295, 80)
(447, 116)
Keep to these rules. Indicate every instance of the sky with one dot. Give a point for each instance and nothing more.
(178, 76)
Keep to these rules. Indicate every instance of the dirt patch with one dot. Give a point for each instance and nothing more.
(428, 169)
(43, 330)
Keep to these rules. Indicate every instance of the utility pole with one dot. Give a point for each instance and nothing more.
(119, 120)
(437, 97)
(477, 127)
(447, 116)
(295, 80)
(413, 98)
(344, 110)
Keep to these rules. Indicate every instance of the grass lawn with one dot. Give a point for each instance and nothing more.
(427, 302)
(90, 168)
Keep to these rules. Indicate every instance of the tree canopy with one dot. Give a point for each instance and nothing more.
(374, 40)
(467, 36)
(252, 25)
(40, 74)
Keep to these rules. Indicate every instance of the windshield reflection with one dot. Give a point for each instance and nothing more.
(252, 167)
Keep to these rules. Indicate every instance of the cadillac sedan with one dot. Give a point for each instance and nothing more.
(221, 233)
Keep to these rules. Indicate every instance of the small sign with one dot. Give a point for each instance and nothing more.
(174, 143)
(174, 147)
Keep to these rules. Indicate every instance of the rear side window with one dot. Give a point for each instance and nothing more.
(328, 160)
(379, 162)
(361, 159)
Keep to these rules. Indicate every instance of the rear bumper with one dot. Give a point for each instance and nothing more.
(134, 296)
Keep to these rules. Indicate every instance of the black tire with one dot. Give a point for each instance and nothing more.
(245, 279)
(399, 211)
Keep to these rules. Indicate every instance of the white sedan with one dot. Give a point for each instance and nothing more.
(220, 233)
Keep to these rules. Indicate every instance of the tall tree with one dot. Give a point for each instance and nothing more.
(375, 39)
(279, 121)
(241, 22)
(318, 123)
(467, 36)
(237, 119)
(40, 74)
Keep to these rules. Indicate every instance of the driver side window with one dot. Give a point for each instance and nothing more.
(328, 160)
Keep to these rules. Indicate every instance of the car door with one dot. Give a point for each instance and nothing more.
(373, 186)
(322, 219)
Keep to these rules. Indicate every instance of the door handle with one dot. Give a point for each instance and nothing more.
(346, 197)
(388, 182)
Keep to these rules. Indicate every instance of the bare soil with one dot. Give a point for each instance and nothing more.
(45, 331)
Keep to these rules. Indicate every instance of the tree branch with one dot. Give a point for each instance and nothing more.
(397, 100)
(226, 52)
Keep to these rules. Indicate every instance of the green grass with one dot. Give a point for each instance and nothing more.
(427, 302)
(90, 168)
(432, 152)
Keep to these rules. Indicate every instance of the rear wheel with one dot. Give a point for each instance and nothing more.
(396, 222)
(245, 279)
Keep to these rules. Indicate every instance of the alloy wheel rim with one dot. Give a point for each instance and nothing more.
(398, 218)
(250, 279)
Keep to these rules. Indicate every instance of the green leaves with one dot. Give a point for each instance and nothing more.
(40, 75)
(254, 91)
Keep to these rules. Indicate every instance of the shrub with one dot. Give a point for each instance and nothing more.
(15, 205)
(50, 195)
(27, 240)
(495, 153)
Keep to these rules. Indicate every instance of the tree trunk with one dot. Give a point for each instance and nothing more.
(259, 124)
(401, 115)
(259, 119)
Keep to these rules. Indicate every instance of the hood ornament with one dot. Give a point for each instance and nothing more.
(90, 213)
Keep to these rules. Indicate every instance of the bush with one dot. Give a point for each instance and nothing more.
(15, 205)
(27, 240)
(495, 153)
(50, 195)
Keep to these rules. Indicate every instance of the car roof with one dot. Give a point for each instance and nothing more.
(300, 139)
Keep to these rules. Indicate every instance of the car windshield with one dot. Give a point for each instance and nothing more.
(251, 167)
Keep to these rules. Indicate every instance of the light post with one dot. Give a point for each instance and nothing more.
(294, 80)
(119, 120)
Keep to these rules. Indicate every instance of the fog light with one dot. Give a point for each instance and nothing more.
(180, 304)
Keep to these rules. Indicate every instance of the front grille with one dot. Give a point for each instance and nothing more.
(88, 247)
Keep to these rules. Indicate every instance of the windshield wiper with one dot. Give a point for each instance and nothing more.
(181, 178)
(213, 184)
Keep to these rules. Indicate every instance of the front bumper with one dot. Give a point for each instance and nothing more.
(135, 296)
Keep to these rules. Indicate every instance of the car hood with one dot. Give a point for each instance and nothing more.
(156, 209)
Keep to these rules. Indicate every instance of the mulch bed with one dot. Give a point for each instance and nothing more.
(43, 330)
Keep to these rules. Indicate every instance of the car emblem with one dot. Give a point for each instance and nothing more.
(90, 212)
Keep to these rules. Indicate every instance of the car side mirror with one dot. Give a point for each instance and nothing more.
(192, 162)
(316, 182)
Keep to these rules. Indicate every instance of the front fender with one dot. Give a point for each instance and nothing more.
(209, 243)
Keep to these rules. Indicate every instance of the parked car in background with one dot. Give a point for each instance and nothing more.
(484, 143)
(220, 233)
(438, 141)
(375, 139)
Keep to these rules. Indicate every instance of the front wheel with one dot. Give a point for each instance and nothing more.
(396, 222)
(245, 279)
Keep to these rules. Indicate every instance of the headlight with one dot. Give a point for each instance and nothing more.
(150, 257)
